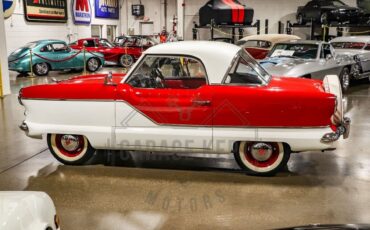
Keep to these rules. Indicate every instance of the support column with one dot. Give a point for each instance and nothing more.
(180, 18)
(4, 75)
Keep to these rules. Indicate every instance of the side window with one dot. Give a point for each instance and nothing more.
(367, 47)
(46, 48)
(325, 51)
(169, 72)
(89, 43)
(60, 47)
(243, 73)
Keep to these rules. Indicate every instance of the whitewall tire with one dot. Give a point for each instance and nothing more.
(262, 158)
(70, 149)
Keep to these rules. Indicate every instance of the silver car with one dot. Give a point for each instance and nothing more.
(356, 49)
(307, 59)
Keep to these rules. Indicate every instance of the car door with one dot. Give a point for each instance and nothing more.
(166, 103)
(61, 54)
(329, 65)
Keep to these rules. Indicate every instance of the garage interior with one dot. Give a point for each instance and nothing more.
(171, 190)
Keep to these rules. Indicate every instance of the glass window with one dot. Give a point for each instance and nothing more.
(367, 47)
(348, 45)
(243, 73)
(325, 51)
(60, 47)
(46, 48)
(305, 51)
(89, 43)
(258, 44)
(169, 72)
(106, 43)
(332, 3)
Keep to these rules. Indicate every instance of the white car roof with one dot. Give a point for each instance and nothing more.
(364, 39)
(216, 56)
(274, 38)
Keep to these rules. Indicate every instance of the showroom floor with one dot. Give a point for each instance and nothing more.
(197, 191)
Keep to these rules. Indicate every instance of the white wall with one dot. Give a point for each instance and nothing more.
(19, 31)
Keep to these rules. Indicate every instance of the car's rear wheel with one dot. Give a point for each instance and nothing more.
(126, 60)
(93, 64)
(70, 149)
(41, 69)
(300, 19)
(345, 79)
(262, 158)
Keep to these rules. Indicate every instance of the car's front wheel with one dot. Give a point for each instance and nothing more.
(126, 60)
(262, 158)
(70, 149)
(41, 69)
(93, 64)
(345, 79)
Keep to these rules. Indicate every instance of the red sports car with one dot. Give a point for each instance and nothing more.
(114, 55)
(189, 97)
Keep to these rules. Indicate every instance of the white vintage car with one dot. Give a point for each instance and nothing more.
(356, 49)
(27, 211)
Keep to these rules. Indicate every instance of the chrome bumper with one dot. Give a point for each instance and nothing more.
(343, 129)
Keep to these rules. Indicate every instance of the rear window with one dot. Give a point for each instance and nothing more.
(257, 44)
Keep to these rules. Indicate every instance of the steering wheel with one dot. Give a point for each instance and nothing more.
(158, 78)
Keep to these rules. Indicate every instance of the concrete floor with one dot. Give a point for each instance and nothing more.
(180, 191)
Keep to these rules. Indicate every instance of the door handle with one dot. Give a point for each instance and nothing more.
(202, 103)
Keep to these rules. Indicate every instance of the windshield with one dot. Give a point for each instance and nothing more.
(348, 45)
(248, 65)
(106, 43)
(305, 51)
(332, 3)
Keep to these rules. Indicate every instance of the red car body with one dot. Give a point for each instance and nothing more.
(189, 97)
(114, 55)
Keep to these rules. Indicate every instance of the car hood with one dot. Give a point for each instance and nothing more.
(283, 66)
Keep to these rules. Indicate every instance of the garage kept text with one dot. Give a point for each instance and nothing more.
(46, 10)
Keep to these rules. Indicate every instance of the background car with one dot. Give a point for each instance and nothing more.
(114, 55)
(356, 49)
(328, 11)
(52, 55)
(307, 59)
(27, 211)
(142, 111)
(141, 42)
(258, 46)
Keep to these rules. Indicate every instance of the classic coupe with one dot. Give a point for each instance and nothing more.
(258, 46)
(27, 210)
(328, 11)
(357, 49)
(142, 42)
(193, 96)
(114, 55)
(50, 55)
(307, 59)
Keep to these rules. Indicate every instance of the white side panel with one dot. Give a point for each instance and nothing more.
(93, 119)
(136, 131)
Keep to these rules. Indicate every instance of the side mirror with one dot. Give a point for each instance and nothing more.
(108, 80)
(328, 57)
(85, 43)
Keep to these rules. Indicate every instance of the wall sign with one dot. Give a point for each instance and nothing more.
(45, 10)
(8, 7)
(81, 10)
(107, 9)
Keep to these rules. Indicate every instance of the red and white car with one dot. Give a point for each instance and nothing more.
(189, 97)
(113, 55)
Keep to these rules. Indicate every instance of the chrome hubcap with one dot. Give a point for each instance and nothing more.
(42, 68)
(126, 60)
(70, 143)
(261, 151)
(93, 64)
